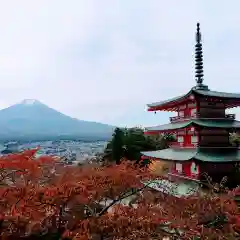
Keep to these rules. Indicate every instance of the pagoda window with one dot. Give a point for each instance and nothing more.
(180, 139)
(179, 167)
(194, 169)
(194, 139)
(193, 112)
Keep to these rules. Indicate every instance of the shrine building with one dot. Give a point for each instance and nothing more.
(201, 127)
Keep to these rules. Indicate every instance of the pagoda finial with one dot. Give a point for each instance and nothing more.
(198, 34)
(199, 61)
(198, 57)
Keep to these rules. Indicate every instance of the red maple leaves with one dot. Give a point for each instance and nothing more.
(40, 196)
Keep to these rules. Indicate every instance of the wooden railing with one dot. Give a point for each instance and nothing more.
(197, 115)
(175, 119)
(177, 145)
(182, 145)
(184, 175)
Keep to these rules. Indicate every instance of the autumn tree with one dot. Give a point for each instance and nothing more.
(235, 139)
(43, 199)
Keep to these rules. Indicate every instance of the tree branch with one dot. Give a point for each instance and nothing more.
(12, 172)
(121, 197)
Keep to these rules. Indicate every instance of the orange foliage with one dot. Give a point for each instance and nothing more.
(39, 196)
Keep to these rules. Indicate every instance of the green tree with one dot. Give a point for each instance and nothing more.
(117, 144)
(129, 143)
(135, 142)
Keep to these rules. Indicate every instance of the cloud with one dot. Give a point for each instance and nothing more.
(105, 60)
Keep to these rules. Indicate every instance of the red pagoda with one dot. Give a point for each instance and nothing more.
(202, 129)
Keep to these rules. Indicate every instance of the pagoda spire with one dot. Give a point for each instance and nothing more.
(198, 57)
(199, 60)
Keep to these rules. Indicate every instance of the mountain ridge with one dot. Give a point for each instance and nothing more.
(31, 118)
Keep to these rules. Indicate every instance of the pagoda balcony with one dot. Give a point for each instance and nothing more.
(176, 145)
(182, 145)
(178, 118)
(175, 119)
(174, 175)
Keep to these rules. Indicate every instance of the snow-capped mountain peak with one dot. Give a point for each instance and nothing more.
(31, 119)
(29, 102)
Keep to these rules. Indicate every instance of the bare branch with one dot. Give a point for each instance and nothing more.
(121, 197)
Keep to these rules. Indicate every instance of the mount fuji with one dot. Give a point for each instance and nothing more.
(33, 120)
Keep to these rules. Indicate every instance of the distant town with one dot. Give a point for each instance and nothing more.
(71, 151)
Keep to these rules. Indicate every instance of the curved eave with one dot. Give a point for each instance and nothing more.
(232, 99)
(218, 157)
(223, 95)
(189, 154)
(208, 123)
(170, 104)
(225, 124)
(170, 154)
(167, 127)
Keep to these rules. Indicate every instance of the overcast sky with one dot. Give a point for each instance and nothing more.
(104, 60)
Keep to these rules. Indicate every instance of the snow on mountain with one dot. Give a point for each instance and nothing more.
(29, 101)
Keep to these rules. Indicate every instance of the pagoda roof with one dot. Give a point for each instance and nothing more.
(188, 154)
(200, 89)
(218, 94)
(205, 92)
(226, 123)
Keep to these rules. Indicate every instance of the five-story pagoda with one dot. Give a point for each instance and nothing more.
(201, 127)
